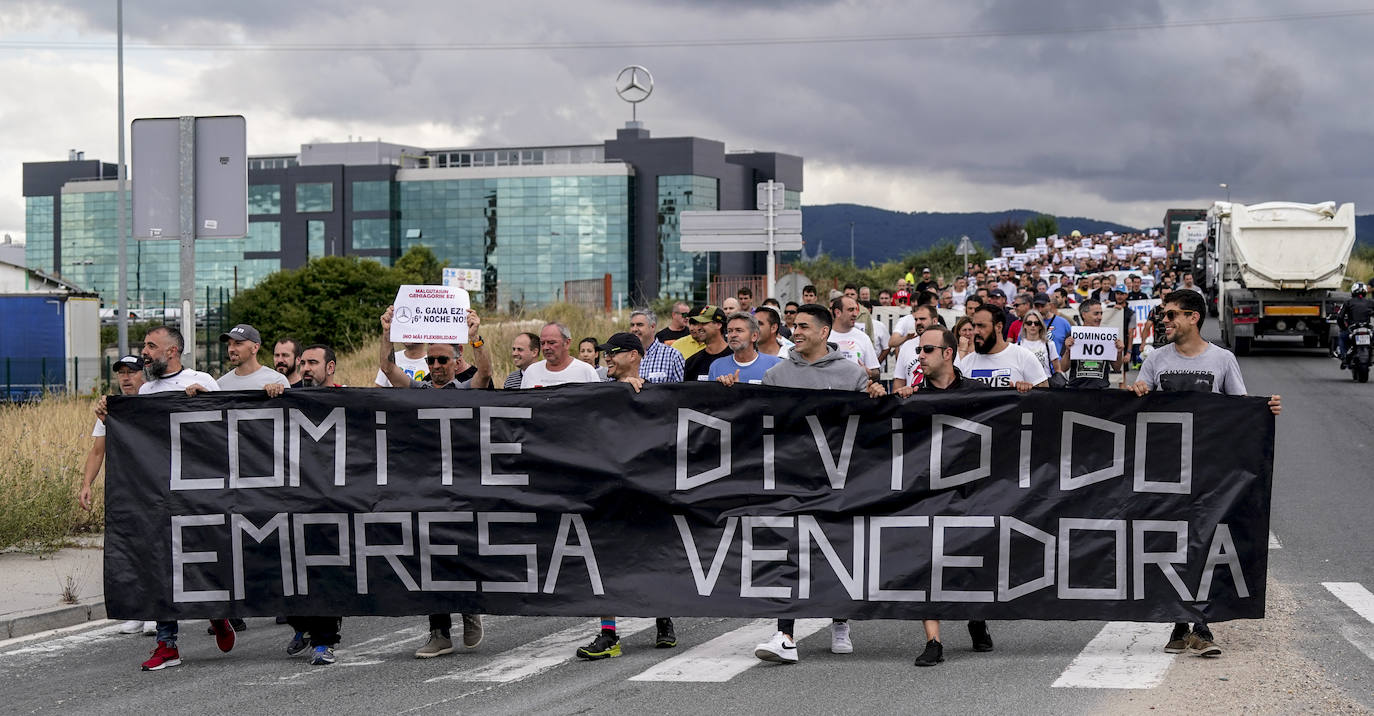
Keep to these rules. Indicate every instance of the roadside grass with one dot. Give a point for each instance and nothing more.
(43, 444)
(1361, 266)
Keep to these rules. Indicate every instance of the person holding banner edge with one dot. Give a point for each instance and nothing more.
(813, 364)
(442, 361)
(1189, 363)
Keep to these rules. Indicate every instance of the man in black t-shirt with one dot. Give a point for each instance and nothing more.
(712, 320)
(677, 325)
(939, 348)
(1091, 373)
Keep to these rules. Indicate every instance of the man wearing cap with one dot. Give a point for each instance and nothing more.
(129, 374)
(927, 283)
(624, 354)
(744, 364)
(1057, 325)
(661, 364)
(710, 320)
(248, 374)
(997, 298)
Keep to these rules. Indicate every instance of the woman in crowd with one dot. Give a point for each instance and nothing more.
(587, 353)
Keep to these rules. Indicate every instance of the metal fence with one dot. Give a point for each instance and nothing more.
(727, 286)
(590, 293)
(24, 379)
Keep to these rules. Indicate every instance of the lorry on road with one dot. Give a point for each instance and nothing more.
(1275, 269)
(1175, 235)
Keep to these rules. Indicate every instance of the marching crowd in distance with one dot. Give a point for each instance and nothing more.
(1005, 325)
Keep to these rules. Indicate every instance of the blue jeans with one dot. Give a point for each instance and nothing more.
(167, 633)
(1341, 340)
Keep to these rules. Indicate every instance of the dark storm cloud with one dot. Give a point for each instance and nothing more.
(1275, 109)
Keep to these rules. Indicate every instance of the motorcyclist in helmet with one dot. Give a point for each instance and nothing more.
(1359, 309)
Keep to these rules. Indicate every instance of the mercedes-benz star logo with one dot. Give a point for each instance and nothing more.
(634, 84)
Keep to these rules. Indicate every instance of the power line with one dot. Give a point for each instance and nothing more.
(679, 43)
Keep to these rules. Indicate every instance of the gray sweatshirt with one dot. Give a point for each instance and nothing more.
(831, 371)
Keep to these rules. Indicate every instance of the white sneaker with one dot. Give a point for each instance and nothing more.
(133, 626)
(149, 628)
(839, 638)
(780, 649)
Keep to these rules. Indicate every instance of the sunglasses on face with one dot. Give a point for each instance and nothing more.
(932, 349)
(1172, 315)
(441, 360)
(1034, 323)
(790, 313)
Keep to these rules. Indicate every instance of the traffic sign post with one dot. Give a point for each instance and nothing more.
(965, 249)
(770, 229)
(191, 173)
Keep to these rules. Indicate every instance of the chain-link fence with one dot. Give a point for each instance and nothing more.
(589, 293)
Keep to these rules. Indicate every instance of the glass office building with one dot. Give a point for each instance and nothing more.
(530, 218)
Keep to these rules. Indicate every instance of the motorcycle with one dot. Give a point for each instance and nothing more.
(1359, 352)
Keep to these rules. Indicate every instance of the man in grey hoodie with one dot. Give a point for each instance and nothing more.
(812, 363)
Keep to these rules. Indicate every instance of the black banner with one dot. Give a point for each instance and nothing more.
(689, 500)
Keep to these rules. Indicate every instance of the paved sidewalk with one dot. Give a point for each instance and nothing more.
(33, 597)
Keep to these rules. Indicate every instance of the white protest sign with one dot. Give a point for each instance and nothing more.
(1082, 253)
(1093, 343)
(1108, 233)
(1154, 232)
(1085, 243)
(430, 314)
(1141, 311)
(1060, 243)
(1159, 252)
(1008, 252)
(1121, 254)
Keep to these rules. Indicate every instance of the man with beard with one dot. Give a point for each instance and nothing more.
(162, 349)
(908, 373)
(710, 320)
(248, 374)
(286, 356)
(997, 363)
(771, 341)
(813, 364)
(938, 347)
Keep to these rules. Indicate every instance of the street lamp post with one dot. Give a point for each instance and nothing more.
(1227, 187)
(851, 242)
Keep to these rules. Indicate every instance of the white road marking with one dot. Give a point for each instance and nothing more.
(1124, 655)
(541, 654)
(1274, 541)
(54, 640)
(1355, 596)
(726, 656)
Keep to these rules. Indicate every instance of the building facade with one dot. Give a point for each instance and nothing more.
(530, 218)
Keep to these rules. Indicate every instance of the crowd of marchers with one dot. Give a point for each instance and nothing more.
(1011, 329)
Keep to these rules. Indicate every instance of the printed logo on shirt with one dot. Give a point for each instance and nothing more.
(1090, 369)
(1186, 380)
(992, 377)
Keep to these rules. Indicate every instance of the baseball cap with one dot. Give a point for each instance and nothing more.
(620, 343)
(242, 332)
(997, 293)
(925, 270)
(132, 362)
(709, 314)
(1041, 298)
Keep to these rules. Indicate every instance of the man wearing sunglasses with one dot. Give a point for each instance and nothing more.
(937, 348)
(909, 373)
(1189, 363)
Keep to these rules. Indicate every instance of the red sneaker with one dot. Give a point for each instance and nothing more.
(163, 657)
(224, 634)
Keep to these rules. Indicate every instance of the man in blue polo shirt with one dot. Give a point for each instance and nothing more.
(745, 362)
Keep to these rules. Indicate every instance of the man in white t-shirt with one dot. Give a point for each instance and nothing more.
(558, 366)
(997, 363)
(411, 360)
(162, 349)
(960, 291)
(248, 374)
(908, 372)
(851, 342)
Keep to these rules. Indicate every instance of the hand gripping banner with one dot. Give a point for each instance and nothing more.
(689, 500)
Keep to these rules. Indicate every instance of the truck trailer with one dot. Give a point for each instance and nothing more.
(1275, 269)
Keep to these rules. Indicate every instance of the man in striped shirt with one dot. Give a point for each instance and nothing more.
(660, 364)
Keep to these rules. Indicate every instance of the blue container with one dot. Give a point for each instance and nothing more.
(33, 347)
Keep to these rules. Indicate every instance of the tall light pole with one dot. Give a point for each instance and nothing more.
(851, 242)
(121, 197)
(1227, 187)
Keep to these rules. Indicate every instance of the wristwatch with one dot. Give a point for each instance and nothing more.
(477, 342)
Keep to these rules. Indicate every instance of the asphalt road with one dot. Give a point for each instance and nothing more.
(1315, 651)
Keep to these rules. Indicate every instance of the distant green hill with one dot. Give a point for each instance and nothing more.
(881, 235)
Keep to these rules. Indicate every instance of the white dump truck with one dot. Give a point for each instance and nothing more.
(1275, 269)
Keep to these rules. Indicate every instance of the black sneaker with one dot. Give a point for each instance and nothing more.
(238, 624)
(605, 645)
(667, 638)
(978, 632)
(934, 654)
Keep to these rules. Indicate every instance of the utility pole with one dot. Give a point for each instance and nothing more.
(851, 242)
(121, 196)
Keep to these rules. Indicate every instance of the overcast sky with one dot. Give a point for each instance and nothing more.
(953, 106)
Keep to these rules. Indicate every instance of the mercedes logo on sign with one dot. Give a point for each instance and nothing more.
(634, 84)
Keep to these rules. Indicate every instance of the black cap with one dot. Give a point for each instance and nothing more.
(708, 314)
(620, 343)
(241, 332)
(997, 293)
(1041, 298)
(131, 362)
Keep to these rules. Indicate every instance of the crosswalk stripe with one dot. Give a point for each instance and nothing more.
(1274, 541)
(54, 640)
(726, 656)
(541, 654)
(1355, 596)
(1124, 655)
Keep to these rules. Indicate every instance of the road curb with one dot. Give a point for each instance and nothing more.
(55, 618)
